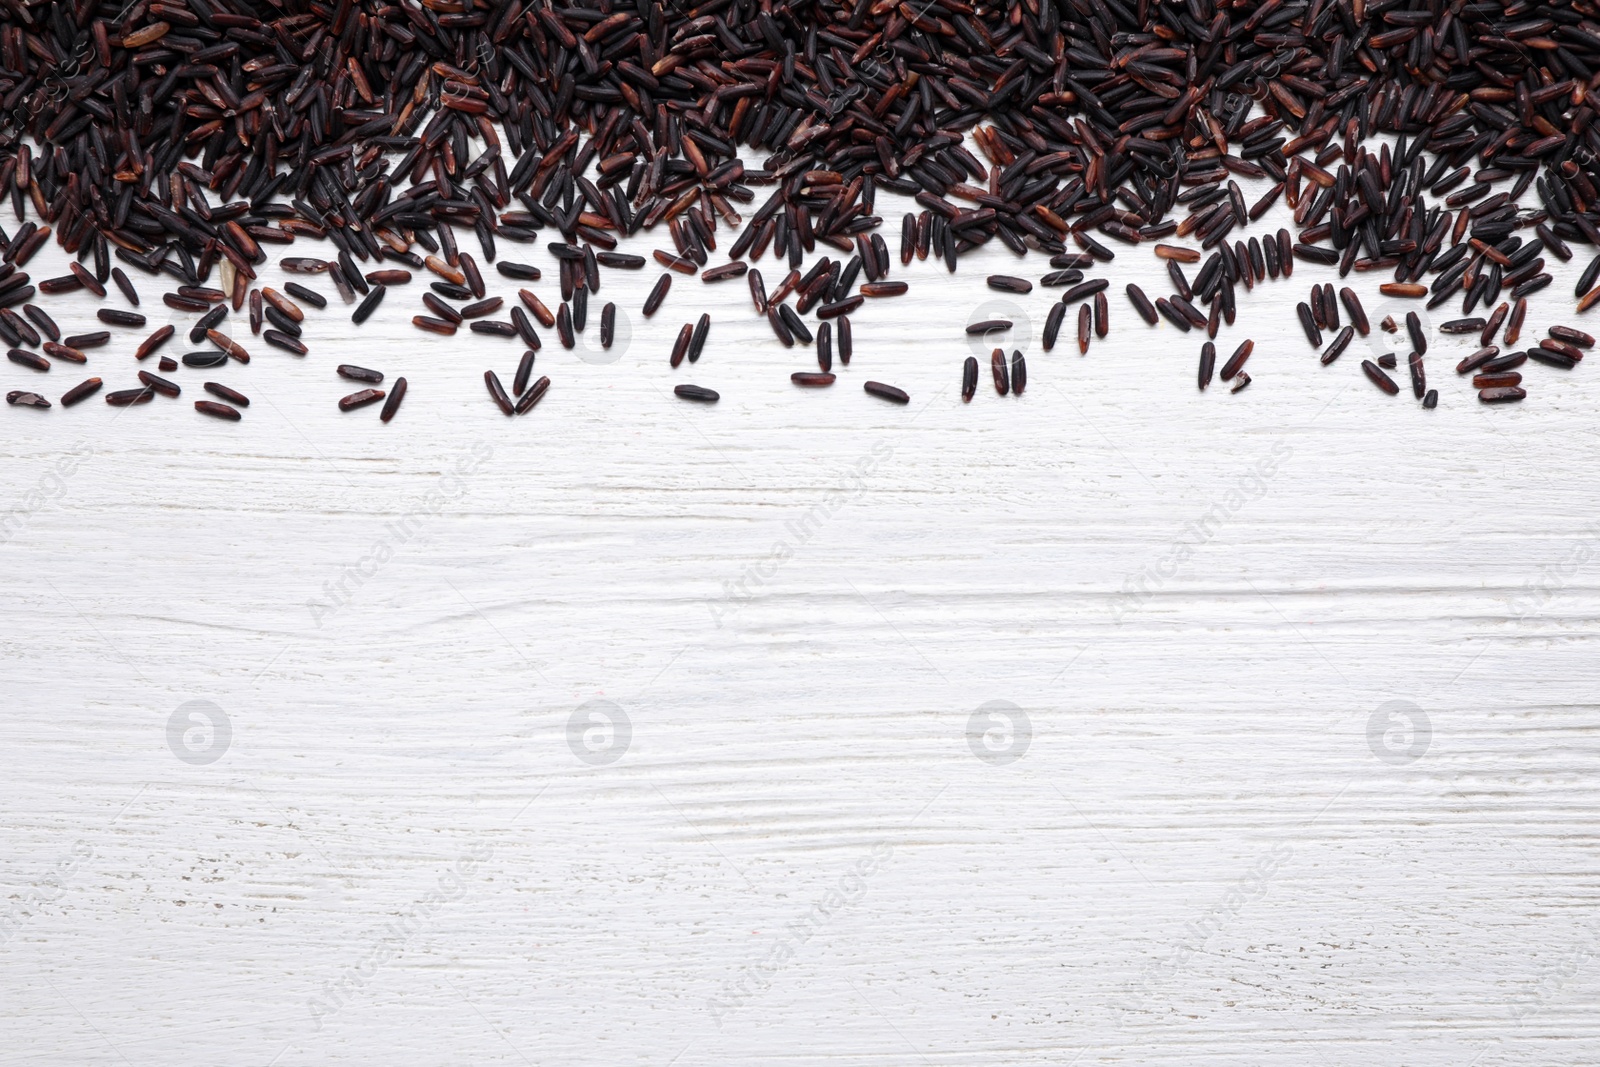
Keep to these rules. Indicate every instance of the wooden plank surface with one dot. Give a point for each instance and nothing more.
(634, 731)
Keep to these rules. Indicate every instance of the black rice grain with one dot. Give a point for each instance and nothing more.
(82, 391)
(392, 404)
(891, 393)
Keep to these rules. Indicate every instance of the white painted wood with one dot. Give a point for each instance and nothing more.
(799, 599)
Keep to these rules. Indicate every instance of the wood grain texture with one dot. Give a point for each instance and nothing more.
(1209, 851)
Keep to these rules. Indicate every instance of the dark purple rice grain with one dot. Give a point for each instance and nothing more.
(697, 342)
(1006, 283)
(154, 341)
(608, 325)
(1208, 362)
(695, 392)
(1419, 379)
(1477, 359)
(81, 341)
(795, 323)
(1102, 315)
(1002, 375)
(368, 305)
(123, 398)
(159, 384)
(218, 411)
(347, 293)
(282, 340)
(758, 291)
(23, 398)
(482, 307)
(534, 394)
(442, 310)
(117, 317)
(988, 326)
(889, 392)
(969, 378)
(20, 326)
(1507, 394)
(1340, 343)
(82, 391)
(1492, 326)
(1052, 325)
(358, 374)
(392, 404)
(680, 347)
(204, 360)
(564, 327)
(67, 283)
(48, 326)
(1236, 361)
(363, 397)
(474, 280)
(60, 351)
(1514, 328)
(1084, 290)
(31, 360)
(1431, 401)
(811, 378)
(125, 286)
(300, 292)
(1419, 341)
(166, 364)
(1551, 358)
(279, 320)
(724, 272)
(1168, 312)
(1590, 274)
(1571, 336)
(524, 371)
(1309, 325)
(497, 392)
(846, 339)
(1509, 361)
(1377, 377)
(1555, 344)
(1019, 373)
(524, 272)
(228, 345)
(658, 293)
(1141, 304)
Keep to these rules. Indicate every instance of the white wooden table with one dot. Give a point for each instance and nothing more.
(662, 733)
